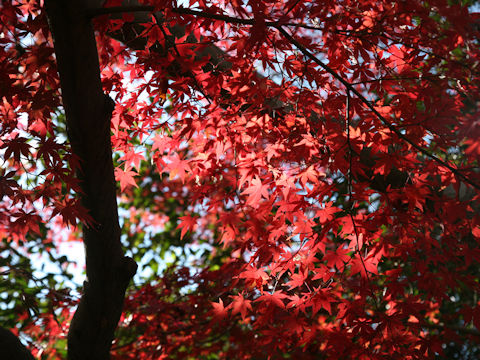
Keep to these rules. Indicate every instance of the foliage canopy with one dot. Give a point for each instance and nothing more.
(296, 179)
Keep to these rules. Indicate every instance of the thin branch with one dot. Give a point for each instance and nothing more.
(227, 18)
(161, 332)
(350, 194)
(391, 127)
(350, 148)
(190, 73)
(181, 11)
(459, 329)
(394, 78)
(94, 12)
(291, 7)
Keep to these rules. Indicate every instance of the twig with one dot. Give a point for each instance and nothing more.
(181, 11)
(392, 128)
(350, 196)
(94, 12)
(190, 73)
(292, 7)
(459, 329)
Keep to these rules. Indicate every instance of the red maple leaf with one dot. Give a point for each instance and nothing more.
(219, 311)
(240, 305)
(364, 266)
(337, 258)
(125, 177)
(275, 299)
(17, 146)
(177, 166)
(187, 223)
(256, 191)
(297, 280)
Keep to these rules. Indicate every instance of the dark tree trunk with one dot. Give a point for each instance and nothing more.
(11, 348)
(88, 112)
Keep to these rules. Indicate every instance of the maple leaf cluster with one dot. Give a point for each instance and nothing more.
(298, 178)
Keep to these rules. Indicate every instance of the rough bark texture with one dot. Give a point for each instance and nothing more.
(88, 112)
(11, 348)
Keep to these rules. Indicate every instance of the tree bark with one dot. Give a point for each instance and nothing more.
(88, 113)
(11, 348)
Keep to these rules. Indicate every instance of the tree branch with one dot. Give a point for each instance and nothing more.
(391, 127)
(94, 12)
(11, 348)
(145, 8)
(459, 329)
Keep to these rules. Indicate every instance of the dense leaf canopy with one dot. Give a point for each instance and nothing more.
(296, 179)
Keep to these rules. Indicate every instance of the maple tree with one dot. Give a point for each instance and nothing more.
(294, 179)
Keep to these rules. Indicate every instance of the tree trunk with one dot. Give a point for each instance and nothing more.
(11, 348)
(88, 112)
